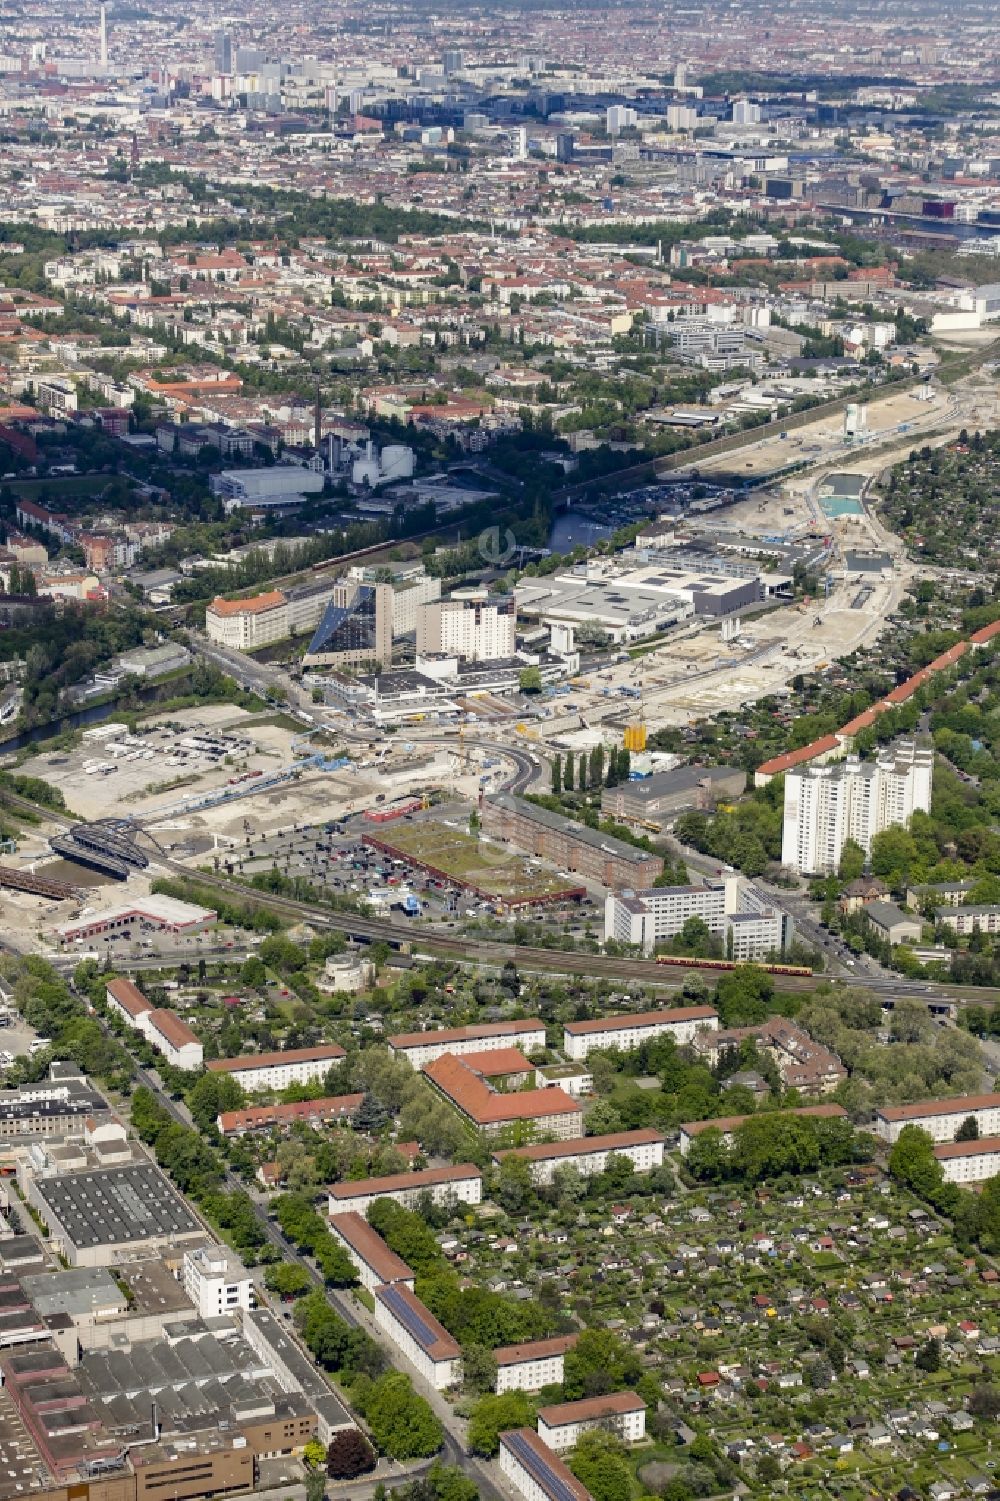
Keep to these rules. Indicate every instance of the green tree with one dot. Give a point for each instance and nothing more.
(514, 1187)
(968, 1130)
(529, 680)
(599, 1462)
(928, 1357)
(492, 1416)
(852, 861)
(287, 1279)
(402, 1423)
(557, 775)
(479, 1368)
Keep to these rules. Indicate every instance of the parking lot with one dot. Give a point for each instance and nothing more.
(332, 857)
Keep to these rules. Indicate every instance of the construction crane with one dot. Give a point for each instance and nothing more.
(635, 730)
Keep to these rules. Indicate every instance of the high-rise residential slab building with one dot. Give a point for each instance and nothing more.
(473, 625)
(827, 805)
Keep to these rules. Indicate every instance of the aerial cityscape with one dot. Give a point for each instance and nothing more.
(499, 751)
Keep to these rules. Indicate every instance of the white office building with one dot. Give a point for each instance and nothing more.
(217, 1282)
(626, 1033)
(827, 805)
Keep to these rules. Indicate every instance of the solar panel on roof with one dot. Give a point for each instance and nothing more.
(539, 1469)
(409, 1318)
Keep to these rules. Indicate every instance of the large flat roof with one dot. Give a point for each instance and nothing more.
(133, 1202)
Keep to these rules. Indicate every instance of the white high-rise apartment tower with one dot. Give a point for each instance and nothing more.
(851, 799)
(104, 37)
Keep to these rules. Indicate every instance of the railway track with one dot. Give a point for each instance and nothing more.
(473, 950)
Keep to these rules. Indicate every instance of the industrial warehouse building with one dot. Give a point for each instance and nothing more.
(93, 1217)
(164, 913)
(570, 846)
(630, 603)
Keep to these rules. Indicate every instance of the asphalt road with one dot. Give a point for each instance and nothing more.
(491, 1487)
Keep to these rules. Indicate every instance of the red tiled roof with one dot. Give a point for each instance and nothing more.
(484, 1106)
(589, 1408)
(466, 1034)
(259, 1117)
(958, 1105)
(535, 1349)
(578, 1146)
(778, 764)
(428, 1177)
(129, 996)
(369, 1245)
(986, 1146)
(492, 1062)
(177, 1033)
(668, 1014)
(255, 606)
(726, 1123)
(330, 1051)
